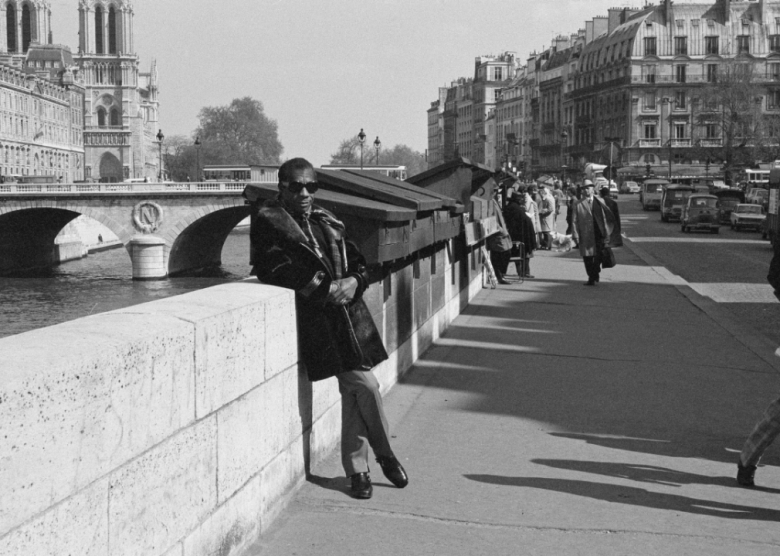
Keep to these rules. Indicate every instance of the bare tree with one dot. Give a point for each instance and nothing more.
(731, 107)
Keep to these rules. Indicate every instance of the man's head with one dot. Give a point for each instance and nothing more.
(604, 191)
(297, 185)
(587, 188)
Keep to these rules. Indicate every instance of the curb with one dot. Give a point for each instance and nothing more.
(763, 347)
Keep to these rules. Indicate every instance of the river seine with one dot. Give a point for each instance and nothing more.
(103, 282)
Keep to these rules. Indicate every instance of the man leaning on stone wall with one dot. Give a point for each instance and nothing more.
(297, 245)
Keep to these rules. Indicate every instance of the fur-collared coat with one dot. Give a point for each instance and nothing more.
(332, 338)
(583, 227)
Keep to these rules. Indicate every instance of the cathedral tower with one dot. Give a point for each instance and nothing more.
(23, 22)
(121, 107)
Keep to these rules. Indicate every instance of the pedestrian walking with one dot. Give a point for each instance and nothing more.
(616, 239)
(532, 209)
(298, 245)
(546, 217)
(521, 230)
(768, 428)
(571, 200)
(592, 224)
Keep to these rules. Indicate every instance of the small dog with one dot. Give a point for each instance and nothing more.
(561, 243)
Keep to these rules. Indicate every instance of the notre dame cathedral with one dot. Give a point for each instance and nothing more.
(90, 116)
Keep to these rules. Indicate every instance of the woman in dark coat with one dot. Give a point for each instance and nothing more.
(521, 229)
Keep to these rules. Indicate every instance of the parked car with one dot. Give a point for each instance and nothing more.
(757, 196)
(630, 187)
(701, 213)
(747, 216)
(728, 199)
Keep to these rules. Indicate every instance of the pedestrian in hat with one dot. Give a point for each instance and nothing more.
(592, 224)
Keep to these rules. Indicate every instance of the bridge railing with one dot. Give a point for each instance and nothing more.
(70, 188)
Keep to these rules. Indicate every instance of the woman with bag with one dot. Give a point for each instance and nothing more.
(521, 230)
(500, 246)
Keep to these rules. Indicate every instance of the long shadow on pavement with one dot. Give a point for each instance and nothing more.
(623, 359)
(634, 496)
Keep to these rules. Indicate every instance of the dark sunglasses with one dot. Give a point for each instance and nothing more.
(296, 187)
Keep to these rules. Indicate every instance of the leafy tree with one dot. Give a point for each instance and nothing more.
(180, 158)
(239, 133)
(348, 152)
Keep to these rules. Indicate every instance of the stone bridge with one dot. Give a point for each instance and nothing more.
(172, 227)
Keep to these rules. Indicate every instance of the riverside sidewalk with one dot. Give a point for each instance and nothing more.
(557, 419)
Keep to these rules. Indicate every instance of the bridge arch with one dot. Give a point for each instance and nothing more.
(27, 234)
(202, 238)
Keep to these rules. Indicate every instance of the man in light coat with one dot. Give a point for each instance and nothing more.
(592, 224)
(546, 217)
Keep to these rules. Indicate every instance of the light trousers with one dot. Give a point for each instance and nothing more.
(764, 433)
(363, 421)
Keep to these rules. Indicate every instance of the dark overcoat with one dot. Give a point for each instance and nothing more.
(616, 237)
(332, 338)
(520, 226)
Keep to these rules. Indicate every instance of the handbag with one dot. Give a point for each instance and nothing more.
(499, 242)
(607, 257)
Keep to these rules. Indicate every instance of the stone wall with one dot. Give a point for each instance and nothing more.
(182, 426)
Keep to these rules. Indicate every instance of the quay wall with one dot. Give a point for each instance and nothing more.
(182, 426)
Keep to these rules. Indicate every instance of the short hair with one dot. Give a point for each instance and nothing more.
(287, 169)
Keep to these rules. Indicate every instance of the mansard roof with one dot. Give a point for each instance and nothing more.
(50, 53)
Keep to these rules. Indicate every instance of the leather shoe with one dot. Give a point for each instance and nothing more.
(502, 281)
(528, 276)
(393, 470)
(589, 283)
(361, 486)
(746, 474)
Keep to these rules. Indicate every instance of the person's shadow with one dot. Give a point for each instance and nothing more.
(651, 474)
(634, 496)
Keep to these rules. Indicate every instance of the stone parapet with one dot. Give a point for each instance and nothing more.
(182, 426)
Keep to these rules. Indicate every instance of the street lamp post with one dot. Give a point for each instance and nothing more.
(563, 143)
(197, 150)
(668, 102)
(377, 146)
(361, 139)
(612, 141)
(160, 138)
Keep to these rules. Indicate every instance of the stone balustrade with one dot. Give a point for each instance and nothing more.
(183, 425)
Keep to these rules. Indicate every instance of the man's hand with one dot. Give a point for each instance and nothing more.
(342, 291)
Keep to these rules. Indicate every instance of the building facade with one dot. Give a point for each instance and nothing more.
(121, 107)
(41, 97)
(630, 88)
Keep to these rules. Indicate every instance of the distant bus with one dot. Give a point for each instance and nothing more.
(241, 172)
(757, 178)
(390, 170)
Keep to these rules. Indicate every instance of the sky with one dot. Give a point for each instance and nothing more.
(324, 69)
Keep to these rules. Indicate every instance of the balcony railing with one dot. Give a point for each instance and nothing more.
(106, 128)
(667, 79)
(711, 142)
(681, 142)
(649, 142)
